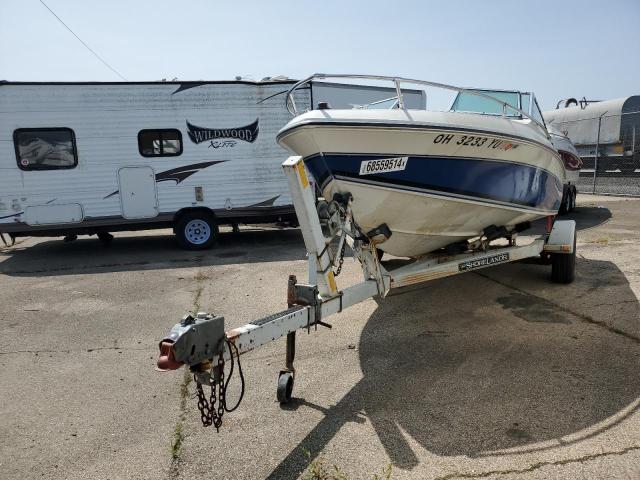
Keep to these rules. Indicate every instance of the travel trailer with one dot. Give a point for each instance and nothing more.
(93, 158)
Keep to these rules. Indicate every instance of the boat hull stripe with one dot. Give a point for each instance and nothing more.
(512, 183)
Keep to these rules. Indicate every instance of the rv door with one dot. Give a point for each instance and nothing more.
(138, 196)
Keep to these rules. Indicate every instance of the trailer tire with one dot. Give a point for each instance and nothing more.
(564, 204)
(563, 265)
(196, 230)
(572, 199)
(285, 387)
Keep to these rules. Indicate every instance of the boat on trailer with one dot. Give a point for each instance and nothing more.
(350, 206)
(433, 178)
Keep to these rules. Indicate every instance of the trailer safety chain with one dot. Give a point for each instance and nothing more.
(210, 413)
(340, 260)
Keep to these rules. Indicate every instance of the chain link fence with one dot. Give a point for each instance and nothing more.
(609, 146)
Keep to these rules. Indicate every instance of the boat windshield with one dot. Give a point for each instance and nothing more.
(468, 102)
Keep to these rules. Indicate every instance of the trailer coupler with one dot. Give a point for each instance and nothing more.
(199, 342)
(192, 341)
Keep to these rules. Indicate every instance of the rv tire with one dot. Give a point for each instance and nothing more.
(196, 230)
(105, 237)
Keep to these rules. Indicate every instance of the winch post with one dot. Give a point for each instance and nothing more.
(304, 202)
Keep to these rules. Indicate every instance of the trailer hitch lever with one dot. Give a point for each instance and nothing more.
(192, 341)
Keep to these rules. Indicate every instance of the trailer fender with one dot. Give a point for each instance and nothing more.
(560, 240)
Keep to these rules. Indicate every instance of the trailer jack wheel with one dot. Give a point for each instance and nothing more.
(285, 379)
(285, 387)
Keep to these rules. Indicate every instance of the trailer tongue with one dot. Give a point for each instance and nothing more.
(202, 344)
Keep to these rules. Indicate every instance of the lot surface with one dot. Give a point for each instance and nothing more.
(494, 374)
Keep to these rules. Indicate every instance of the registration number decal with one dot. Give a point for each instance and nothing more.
(383, 165)
(483, 262)
(474, 141)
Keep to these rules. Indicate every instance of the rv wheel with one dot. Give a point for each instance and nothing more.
(105, 237)
(196, 230)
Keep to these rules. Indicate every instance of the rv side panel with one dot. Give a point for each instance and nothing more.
(229, 161)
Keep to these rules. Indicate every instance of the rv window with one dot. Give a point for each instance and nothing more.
(45, 148)
(160, 143)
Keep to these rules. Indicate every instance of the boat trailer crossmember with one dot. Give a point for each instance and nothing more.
(202, 344)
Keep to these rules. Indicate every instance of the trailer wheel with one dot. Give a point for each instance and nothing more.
(564, 204)
(196, 230)
(569, 201)
(285, 387)
(563, 265)
(571, 204)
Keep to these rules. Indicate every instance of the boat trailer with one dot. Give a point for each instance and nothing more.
(201, 343)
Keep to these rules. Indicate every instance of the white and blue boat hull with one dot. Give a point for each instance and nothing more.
(431, 183)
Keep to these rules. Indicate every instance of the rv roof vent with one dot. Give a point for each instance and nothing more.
(323, 106)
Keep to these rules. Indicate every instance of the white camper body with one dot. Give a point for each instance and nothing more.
(87, 158)
(604, 129)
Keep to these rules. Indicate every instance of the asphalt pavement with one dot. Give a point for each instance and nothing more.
(496, 374)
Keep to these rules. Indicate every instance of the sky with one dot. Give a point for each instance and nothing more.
(557, 49)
